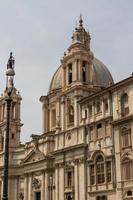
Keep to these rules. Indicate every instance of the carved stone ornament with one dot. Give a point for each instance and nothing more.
(21, 196)
(36, 183)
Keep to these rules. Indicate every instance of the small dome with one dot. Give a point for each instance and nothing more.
(101, 76)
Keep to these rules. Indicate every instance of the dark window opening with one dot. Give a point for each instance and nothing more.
(69, 178)
(69, 196)
(101, 197)
(129, 193)
(90, 110)
(106, 105)
(108, 167)
(85, 114)
(99, 126)
(37, 195)
(13, 135)
(70, 73)
(84, 71)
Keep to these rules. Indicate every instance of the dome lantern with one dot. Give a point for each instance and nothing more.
(80, 35)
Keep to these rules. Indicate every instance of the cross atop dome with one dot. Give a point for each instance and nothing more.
(80, 21)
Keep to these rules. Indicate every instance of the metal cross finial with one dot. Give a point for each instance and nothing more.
(80, 21)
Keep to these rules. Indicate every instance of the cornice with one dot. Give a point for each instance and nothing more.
(123, 119)
(109, 89)
(70, 148)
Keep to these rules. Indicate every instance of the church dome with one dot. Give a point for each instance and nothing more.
(101, 76)
(95, 73)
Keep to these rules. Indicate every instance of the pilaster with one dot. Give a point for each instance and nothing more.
(30, 195)
(46, 185)
(26, 187)
(45, 114)
(43, 186)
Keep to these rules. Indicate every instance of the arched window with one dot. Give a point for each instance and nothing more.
(100, 169)
(71, 115)
(124, 105)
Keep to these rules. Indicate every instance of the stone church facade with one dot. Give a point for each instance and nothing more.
(85, 151)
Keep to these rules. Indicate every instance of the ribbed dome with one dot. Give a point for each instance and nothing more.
(101, 76)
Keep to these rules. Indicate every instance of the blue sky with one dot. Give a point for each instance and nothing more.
(39, 31)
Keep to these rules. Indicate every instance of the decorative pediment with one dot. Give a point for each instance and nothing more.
(34, 156)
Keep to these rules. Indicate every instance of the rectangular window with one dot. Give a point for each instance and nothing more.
(98, 107)
(69, 73)
(126, 110)
(91, 133)
(84, 71)
(37, 195)
(126, 138)
(92, 175)
(106, 107)
(69, 178)
(101, 197)
(99, 131)
(84, 114)
(100, 173)
(127, 171)
(108, 167)
(13, 136)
